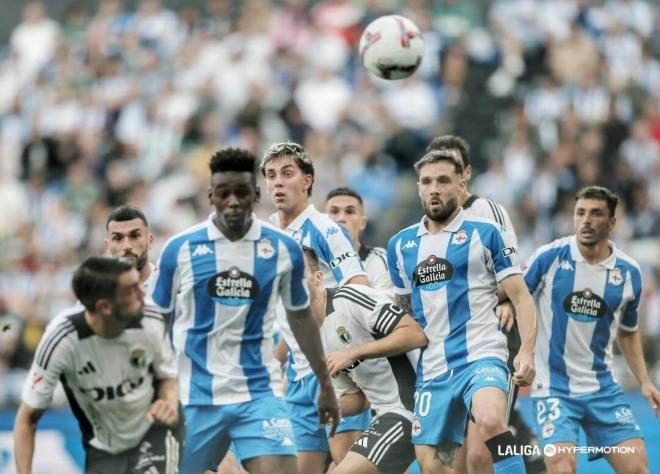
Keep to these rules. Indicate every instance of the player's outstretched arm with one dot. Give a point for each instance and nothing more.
(306, 332)
(630, 344)
(515, 287)
(25, 427)
(406, 336)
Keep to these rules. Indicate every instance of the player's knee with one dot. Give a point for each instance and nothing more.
(566, 464)
(491, 425)
(478, 457)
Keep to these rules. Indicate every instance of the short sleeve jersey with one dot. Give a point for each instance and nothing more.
(223, 295)
(452, 279)
(580, 307)
(108, 382)
(355, 315)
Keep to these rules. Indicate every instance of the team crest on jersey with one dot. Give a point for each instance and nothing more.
(265, 249)
(344, 335)
(138, 358)
(460, 237)
(548, 429)
(233, 287)
(416, 427)
(615, 277)
(585, 306)
(433, 273)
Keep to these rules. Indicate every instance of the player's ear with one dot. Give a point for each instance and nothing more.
(102, 306)
(318, 278)
(257, 193)
(210, 194)
(363, 224)
(467, 174)
(106, 245)
(150, 240)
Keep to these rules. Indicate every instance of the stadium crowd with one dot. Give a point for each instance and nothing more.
(108, 106)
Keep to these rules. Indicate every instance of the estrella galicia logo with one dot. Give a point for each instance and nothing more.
(433, 273)
(585, 306)
(233, 287)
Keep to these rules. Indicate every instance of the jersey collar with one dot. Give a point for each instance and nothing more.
(453, 226)
(298, 222)
(253, 233)
(578, 257)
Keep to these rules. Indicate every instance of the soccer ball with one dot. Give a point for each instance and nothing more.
(391, 47)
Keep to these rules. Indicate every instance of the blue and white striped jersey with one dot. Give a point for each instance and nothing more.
(580, 307)
(223, 295)
(452, 279)
(339, 263)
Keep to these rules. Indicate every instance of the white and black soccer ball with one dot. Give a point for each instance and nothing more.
(391, 47)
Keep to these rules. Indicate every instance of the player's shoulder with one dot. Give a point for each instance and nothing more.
(406, 234)
(62, 334)
(322, 223)
(177, 240)
(153, 315)
(270, 230)
(358, 294)
(484, 207)
(630, 263)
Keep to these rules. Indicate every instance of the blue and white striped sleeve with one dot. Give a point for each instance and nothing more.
(395, 266)
(336, 250)
(631, 312)
(293, 287)
(503, 254)
(167, 271)
(538, 265)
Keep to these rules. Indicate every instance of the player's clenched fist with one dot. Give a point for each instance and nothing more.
(164, 412)
(524, 365)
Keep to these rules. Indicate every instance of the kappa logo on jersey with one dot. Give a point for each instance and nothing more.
(335, 262)
(265, 249)
(331, 231)
(585, 306)
(615, 277)
(344, 335)
(202, 249)
(459, 237)
(411, 244)
(566, 265)
(233, 287)
(138, 358)
(433, 273)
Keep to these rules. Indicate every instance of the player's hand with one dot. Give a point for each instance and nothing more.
(506, 314)
(338, 361)
(652, 395)
(328, 407)
(524, 367)
(164, 412)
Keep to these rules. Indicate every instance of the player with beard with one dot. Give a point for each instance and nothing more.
(128, 237)
(473, 457)
(446, 270)
(110, 358)
(587, 292)
(222, 279)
